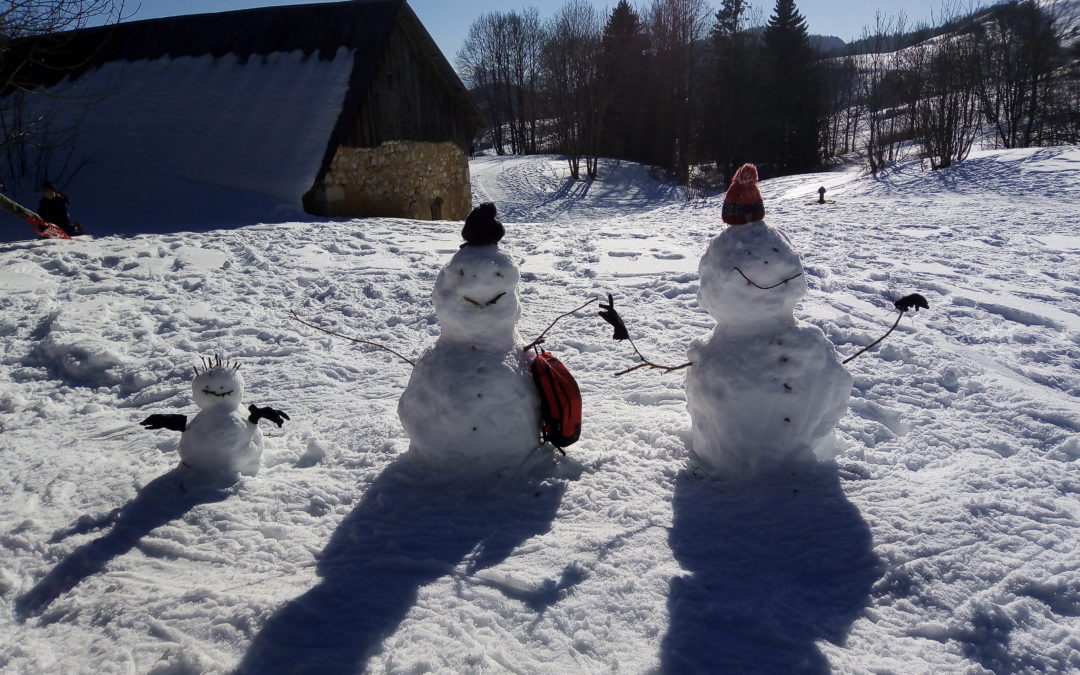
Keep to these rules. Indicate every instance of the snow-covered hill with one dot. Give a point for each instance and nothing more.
(942, 540)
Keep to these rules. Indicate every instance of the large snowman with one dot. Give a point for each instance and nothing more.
(219, 440)
(765, 391)
(471, 403)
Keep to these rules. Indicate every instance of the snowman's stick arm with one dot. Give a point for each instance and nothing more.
(646, 364)
(352, 339)
(875, 342)
(540, 339)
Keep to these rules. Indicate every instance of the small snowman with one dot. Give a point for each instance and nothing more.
(765, 390)
(471, 403)
(219, 440)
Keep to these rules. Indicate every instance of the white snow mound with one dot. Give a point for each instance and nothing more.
(764, 390)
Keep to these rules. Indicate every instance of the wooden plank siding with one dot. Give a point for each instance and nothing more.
(408, 98)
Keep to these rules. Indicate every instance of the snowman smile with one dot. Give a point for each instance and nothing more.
(485, 304)
(751, 282)
(214, 393)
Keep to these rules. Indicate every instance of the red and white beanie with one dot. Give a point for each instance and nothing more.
(742, 202)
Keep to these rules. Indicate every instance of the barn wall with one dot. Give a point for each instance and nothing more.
(401, 179)
(409, 99)
(403, 153)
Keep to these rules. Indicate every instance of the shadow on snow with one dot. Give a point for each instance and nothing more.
(405, 533)
(774, 567)
(162, 500)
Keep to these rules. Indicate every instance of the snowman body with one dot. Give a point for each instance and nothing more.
(471, 402)
(219, 439)
(765, 390)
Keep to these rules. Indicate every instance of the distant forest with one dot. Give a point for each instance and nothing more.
(691, 89)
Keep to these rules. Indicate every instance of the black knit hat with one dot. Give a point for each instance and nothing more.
(481, 228)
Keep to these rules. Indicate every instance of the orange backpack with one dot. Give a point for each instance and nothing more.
(560, 400)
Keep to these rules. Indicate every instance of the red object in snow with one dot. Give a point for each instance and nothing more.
(47, 230)
(742, 202)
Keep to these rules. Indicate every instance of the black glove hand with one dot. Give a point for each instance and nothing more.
(914, 300)
(278, 417)
(170, 422)
(611, 316)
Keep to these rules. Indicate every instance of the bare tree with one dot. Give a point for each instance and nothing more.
(571, 69)
(500, 61)
(1062, 103)
(882, 74)
(478, 62)
(526, 47)
(35, 48)
(843, 112)
(1019, 50)
(947, 111)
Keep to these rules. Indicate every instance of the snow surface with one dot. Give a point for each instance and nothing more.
(943, 539)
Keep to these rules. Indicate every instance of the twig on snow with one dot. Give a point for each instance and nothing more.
(352, 339)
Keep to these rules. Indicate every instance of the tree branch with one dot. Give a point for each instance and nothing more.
(871, 345)
(352, 339)
(645, 363)
(540, 339)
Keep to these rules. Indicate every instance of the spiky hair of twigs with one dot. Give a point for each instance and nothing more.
(215, 363)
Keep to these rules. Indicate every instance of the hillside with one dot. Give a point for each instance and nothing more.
(942, 539)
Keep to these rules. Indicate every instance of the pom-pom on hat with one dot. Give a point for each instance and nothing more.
(742, 203)
(481, 228)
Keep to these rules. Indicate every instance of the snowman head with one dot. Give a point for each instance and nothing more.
(751, 277)
(218, 385)
(476, 296)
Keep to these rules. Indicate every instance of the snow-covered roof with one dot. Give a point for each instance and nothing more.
(214, 118)
(313, 28)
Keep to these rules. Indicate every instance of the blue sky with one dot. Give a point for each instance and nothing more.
(448, 20)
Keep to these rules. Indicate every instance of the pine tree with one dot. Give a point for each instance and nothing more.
(625, 72)
(792, 97)
(732, 120)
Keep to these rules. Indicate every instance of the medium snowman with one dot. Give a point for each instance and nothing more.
(219, 440)
(764, 390)
(471, 403)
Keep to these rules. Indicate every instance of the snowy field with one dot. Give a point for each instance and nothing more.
(944, 538)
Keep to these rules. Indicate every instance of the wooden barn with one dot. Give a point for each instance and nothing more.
(346, 108)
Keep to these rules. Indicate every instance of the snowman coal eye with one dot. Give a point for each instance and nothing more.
(498, 274)
(461, 271)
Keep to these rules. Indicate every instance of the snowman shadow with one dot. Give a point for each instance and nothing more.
(407, 532)
(163, 500)
(775, 565)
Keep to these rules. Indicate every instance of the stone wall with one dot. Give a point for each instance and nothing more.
(400, 179)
